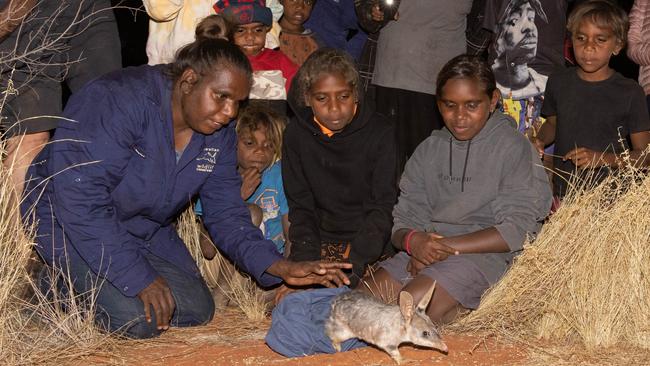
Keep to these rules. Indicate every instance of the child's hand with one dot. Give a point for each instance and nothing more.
(585, 158)
(414, 266)
(251, 178)
(426, 248)
(377, 14)
(538, 144)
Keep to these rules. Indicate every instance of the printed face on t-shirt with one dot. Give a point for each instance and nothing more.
(517, 40)
(250, 38)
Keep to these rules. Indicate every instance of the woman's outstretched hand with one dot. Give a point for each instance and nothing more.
(327, 274)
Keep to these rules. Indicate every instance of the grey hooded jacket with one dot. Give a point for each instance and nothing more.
(454, 187)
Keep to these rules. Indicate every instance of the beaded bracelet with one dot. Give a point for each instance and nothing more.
(407, 241)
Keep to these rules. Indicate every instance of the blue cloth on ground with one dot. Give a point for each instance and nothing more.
(298, 324)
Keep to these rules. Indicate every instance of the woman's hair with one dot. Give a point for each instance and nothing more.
(211, 48)
(603, 14)
(255, 116)
(213, 26)
(326, 61)
(467, 67)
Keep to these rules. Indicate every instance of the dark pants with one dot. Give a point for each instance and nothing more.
(647, 99)
(415, 116)
(125, 315)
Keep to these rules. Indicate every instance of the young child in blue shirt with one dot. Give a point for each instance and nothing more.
(259, 147)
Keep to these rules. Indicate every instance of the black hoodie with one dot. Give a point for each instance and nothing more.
(340, 189)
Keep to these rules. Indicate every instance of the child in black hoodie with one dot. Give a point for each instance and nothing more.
(339, 167)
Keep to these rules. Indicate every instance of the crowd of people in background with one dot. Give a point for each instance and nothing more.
(380, 145)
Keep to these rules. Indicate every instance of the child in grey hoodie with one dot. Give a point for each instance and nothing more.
(470, 195)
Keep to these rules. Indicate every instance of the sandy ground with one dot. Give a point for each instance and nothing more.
(233, 340)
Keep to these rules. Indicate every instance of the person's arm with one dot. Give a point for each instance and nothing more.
(304, 233)
(369, 14)
(228, 220)
(638, 123)
(523, 201)
(12, 14)
(413, 210)
(163, 10)
(638, 46)
(285, 232)
(284, 213)
(584, 158)
(639, 127)
(89, 157)
(374, 232)
(429, 248)
(546, 135)
(478, 38)
(640, 142)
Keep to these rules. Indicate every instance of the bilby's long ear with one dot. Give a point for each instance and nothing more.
(422, 306)
(406, 306)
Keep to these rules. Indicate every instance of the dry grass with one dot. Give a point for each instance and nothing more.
(15, 250)
(583, 282)
(242, 291)
(189, 231)
(220, 274)
(385, 292)
(38, 331)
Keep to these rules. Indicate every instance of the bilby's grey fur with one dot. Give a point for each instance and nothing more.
(356, 314)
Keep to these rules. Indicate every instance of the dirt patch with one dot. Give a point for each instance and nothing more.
(233, 340)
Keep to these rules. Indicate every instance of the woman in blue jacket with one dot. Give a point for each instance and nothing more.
(134, 148)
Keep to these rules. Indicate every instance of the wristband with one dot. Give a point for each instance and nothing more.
(407, 241)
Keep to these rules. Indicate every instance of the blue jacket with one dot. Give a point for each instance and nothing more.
(334, 21)
(115, 189)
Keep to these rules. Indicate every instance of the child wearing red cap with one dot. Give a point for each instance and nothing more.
(273, 70)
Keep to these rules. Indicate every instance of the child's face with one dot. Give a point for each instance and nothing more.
(296, 12)
(465, 107)
(593, 46)
(250, 37)
(254, 150)
(333, 101)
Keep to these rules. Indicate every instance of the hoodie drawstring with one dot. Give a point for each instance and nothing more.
(462, 179)
(450, 161)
